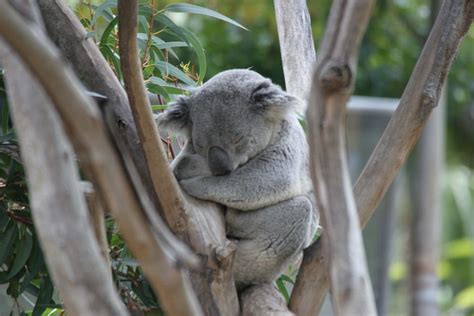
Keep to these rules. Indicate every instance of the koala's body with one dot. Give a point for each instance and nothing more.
(247, 151)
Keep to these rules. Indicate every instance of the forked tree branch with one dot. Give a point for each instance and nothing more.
(418, 99)
(67, 239)
(158, 257)
(333, 83)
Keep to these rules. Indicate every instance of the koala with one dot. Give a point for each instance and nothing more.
(246, 150)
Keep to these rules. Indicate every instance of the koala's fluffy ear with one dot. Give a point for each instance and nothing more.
(176, 119)
(270, 99)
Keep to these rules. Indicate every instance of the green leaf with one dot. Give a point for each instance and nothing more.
(287, 279)
(190, 8)
(5, 118)
(175, 29)
(157, 89)
(199, 50)
(166, 45)
(282, 289)
(104, 39)
(36, 262)
(44, 297)
(159, 107)
(103, 10)
(168, 69)
(7, 137)
(112, 57)
(157, 42)
(171, 88)
(23, 251)
(4, 219)
(7, 239)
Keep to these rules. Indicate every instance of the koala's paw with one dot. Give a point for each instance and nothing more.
(195, 187)
(190, 166)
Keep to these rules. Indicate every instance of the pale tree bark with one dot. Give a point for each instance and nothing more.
(97, 219)
(164, 183)
(426, 216)
(426, 209)
(333, 83)
(419, 98)
(160, 254)
(59, 209)
(296, 45)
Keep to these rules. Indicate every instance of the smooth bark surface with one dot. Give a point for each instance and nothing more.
(59, 209)
(296, 46)
(426, 217)
(419, 98)
(333, 83)
(71, 251)
(154, 250)
(164, 182)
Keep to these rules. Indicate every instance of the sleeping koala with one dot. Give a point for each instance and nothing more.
(247, 151)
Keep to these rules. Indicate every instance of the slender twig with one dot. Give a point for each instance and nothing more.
(164, 182)
(150, 34)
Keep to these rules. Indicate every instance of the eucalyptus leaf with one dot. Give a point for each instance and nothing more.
(7, 240)
(23, 251)
(282, 289)
(44, 296)
(191, 8)
(199, 50)
(168, 69)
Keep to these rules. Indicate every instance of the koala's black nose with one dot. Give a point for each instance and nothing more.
(219, 161)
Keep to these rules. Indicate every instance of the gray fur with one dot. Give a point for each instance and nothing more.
(246, 150)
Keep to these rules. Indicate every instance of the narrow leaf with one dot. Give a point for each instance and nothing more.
(199, 49)
(168, 69)
(7, 239)
(23, 251)
(191, 8)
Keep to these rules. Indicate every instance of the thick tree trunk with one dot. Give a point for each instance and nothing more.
(58, 206)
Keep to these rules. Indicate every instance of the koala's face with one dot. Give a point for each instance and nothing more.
(230, 119)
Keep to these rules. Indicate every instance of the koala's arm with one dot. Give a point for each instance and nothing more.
(273, 176)
(188, 164)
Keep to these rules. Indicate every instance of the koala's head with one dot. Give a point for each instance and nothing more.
(231, 118)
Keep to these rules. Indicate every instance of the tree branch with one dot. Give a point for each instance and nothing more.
(67, 239)
(66, 31)
(215, 285)
(159, 259)
(164, 182)
(296, 45)
(333, 83)
(419, 97)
